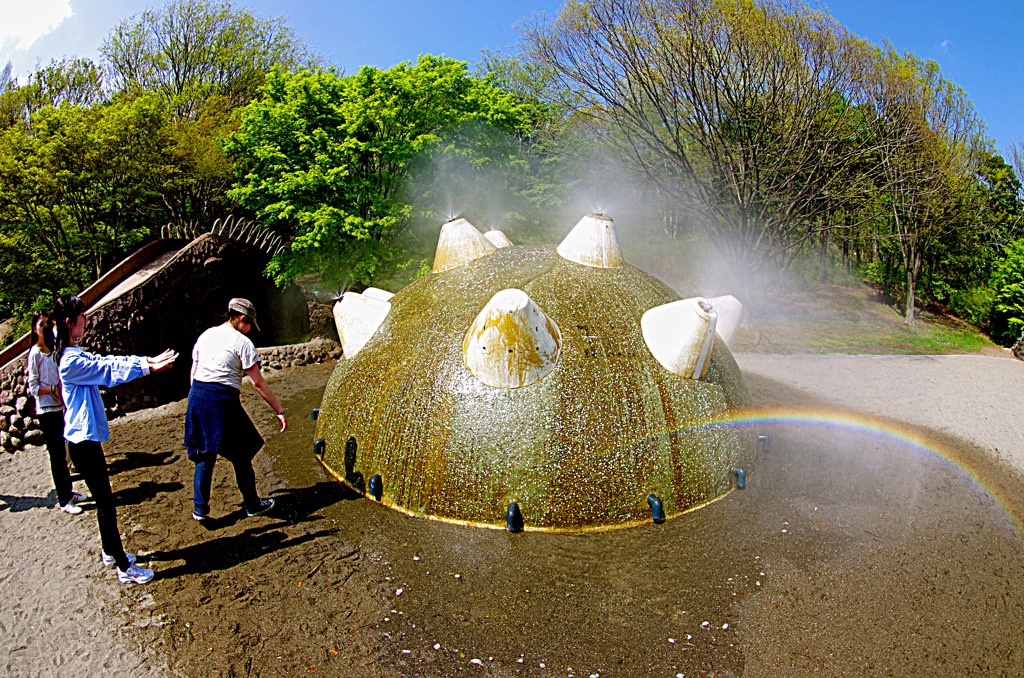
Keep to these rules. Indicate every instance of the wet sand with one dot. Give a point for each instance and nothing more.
(848, 553)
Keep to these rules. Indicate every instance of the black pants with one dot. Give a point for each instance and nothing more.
(91, 464)
(52, 424)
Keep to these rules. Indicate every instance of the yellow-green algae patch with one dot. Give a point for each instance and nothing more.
(580, 449)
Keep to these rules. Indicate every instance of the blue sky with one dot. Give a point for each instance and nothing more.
(976, 42)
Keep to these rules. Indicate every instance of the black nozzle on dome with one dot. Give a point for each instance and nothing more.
(319, 447)
(741, 477)
(315, 414)
(657, 510)
(376, 487)
(513, 518)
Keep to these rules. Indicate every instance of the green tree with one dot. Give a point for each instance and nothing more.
(63, 82)
(1008, 280)
(934, 140)
(325, 157)
(199, 172)
(192, 49)
(80, 183)
(751, 105)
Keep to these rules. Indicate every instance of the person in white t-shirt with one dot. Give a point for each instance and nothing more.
(44, 385)
(215, 422)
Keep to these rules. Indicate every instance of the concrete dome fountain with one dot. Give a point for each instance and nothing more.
(534, 387)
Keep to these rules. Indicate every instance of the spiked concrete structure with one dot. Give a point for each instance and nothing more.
(588, 432)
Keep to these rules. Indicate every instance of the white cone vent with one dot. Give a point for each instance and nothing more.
(680, 335)
(377, 293)
(459, 243)
(357, 317)
(498, 239)
(730, 314)
(592, 242)
(511, 343)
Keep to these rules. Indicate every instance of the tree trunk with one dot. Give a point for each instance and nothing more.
(823, 257)
(908, 314)
(913, 269)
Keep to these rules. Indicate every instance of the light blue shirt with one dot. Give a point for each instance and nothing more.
(81, 375)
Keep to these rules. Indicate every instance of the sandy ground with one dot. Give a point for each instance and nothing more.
(62, 612)
(977, 398)
(843, 571)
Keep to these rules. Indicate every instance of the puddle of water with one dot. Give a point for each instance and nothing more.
(844, 553)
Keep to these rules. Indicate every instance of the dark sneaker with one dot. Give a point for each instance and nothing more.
(265, 505)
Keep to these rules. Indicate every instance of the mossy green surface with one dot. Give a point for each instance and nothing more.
(580, 449)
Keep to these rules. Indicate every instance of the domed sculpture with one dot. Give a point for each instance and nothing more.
(558, 388)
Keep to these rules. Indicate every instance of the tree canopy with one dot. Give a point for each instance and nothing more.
(191, 49)
(326, 156)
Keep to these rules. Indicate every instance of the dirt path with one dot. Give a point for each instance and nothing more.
(845, 556)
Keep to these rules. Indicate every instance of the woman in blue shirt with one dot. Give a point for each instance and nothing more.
(85, 420)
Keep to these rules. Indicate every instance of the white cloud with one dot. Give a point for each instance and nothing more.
(944, 45)
(24, 22)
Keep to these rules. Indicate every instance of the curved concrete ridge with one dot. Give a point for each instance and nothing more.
(133, 270)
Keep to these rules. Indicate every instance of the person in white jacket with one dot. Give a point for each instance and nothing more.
(44, 386)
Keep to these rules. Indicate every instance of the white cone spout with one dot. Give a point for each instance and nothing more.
(592, 242)
(377, 293)
(459, 243)
(680, 335)
(730, 314)
(511, 343)
(357, 318)
(498, 239)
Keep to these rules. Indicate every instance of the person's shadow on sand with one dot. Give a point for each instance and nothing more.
(136, 460)
(144, 491)
(16, 504)
(294, 506)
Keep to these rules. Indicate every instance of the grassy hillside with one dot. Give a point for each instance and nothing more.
(854, 319)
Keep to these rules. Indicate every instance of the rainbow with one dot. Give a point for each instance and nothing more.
(852, 422)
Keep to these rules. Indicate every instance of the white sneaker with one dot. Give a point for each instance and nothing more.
(70, 507)
(79, 497)
(110, 562)
(134, 575)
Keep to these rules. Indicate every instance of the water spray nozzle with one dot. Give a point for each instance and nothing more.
(741, 477)
(376, 487)
(513, 518)
(657, 510)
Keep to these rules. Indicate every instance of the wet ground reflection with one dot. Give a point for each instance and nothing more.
(845, 555)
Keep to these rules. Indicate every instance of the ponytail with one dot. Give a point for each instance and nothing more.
(67, 308)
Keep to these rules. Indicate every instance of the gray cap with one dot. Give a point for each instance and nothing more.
(244, 307)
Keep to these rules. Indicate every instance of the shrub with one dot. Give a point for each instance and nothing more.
(974, 305)
(1008, 281)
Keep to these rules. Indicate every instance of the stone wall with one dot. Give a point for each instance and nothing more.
(318, 350)
(169, 310)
